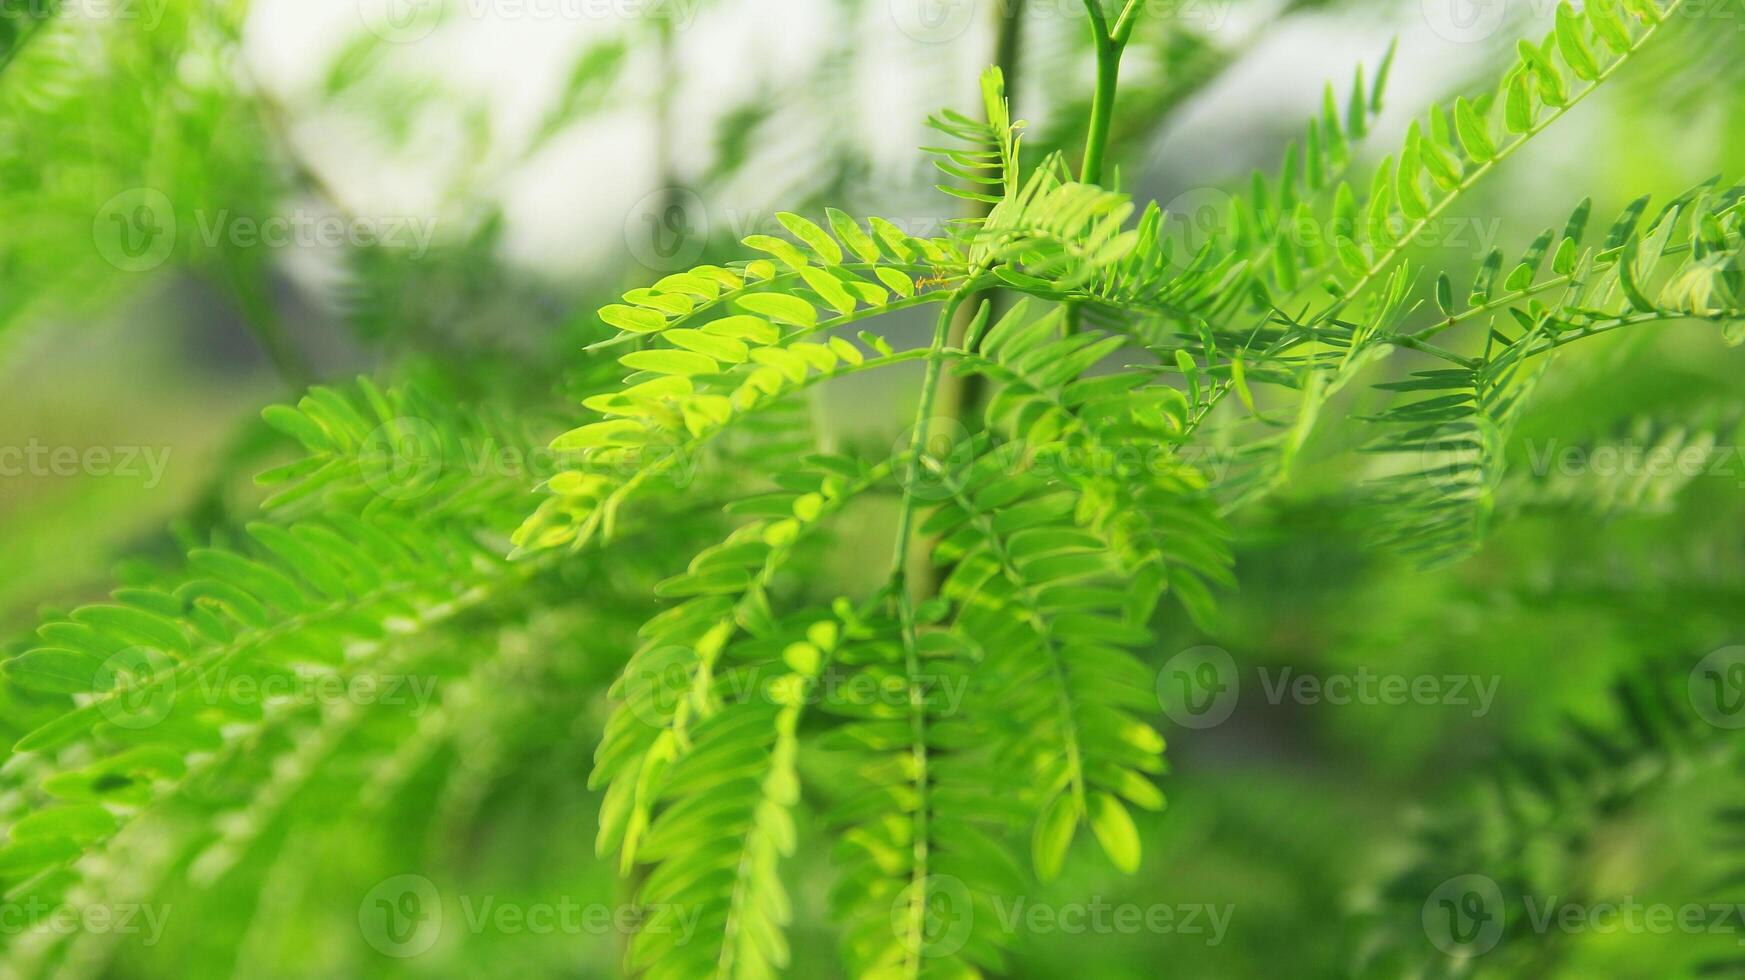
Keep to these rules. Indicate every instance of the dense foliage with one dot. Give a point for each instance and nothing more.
(608, 612)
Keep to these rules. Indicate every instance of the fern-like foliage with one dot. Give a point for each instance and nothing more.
(1452, 435)
(1532, 830)
(1053, 542)
(953, 726)
(117, 706)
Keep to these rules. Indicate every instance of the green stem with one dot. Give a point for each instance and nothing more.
(1102, 109)
(919, 862)
(1511, 298)
(918, 437)
(919, 867)
(1411, 342)
(1110, 44)
(964, 393)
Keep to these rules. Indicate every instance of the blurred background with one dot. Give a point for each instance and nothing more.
(209, 205)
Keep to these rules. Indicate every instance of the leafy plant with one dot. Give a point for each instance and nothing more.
(953, 723)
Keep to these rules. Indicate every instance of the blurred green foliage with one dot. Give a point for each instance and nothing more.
(1317, 828)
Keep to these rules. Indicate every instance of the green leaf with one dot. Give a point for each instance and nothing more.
(1638, 300)
(1445, 294)
(1486, 278)
(298, 426)
(79, 822)
(780, 307)
(1577, 223)
(633, 319)
(1406, 183)
(1603, 14)
(613, 432)
(728, 349)
(741, 326)
(61, 730)
(1443, 167)
(897, 282)
(1381, 193)
(681, 362)
(857, 240)
(1239, 379)
(1518, 110)
(1053, 835)
(1563, 263)
(1114, 828)
(1551, 87)
(1330, 122)
(1474, 136)
(1184, 362)
(1626, 224)
(1381, 75)
(1350, 256)
(781, 248)
(829, 287)
(27, 856)
(1572, 46)
(1356, 118)
(136, 625)
(815, 237)
(54, 670)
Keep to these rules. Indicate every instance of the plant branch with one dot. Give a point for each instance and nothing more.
(963, 393)
(1109, 46)
(1385, 259)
